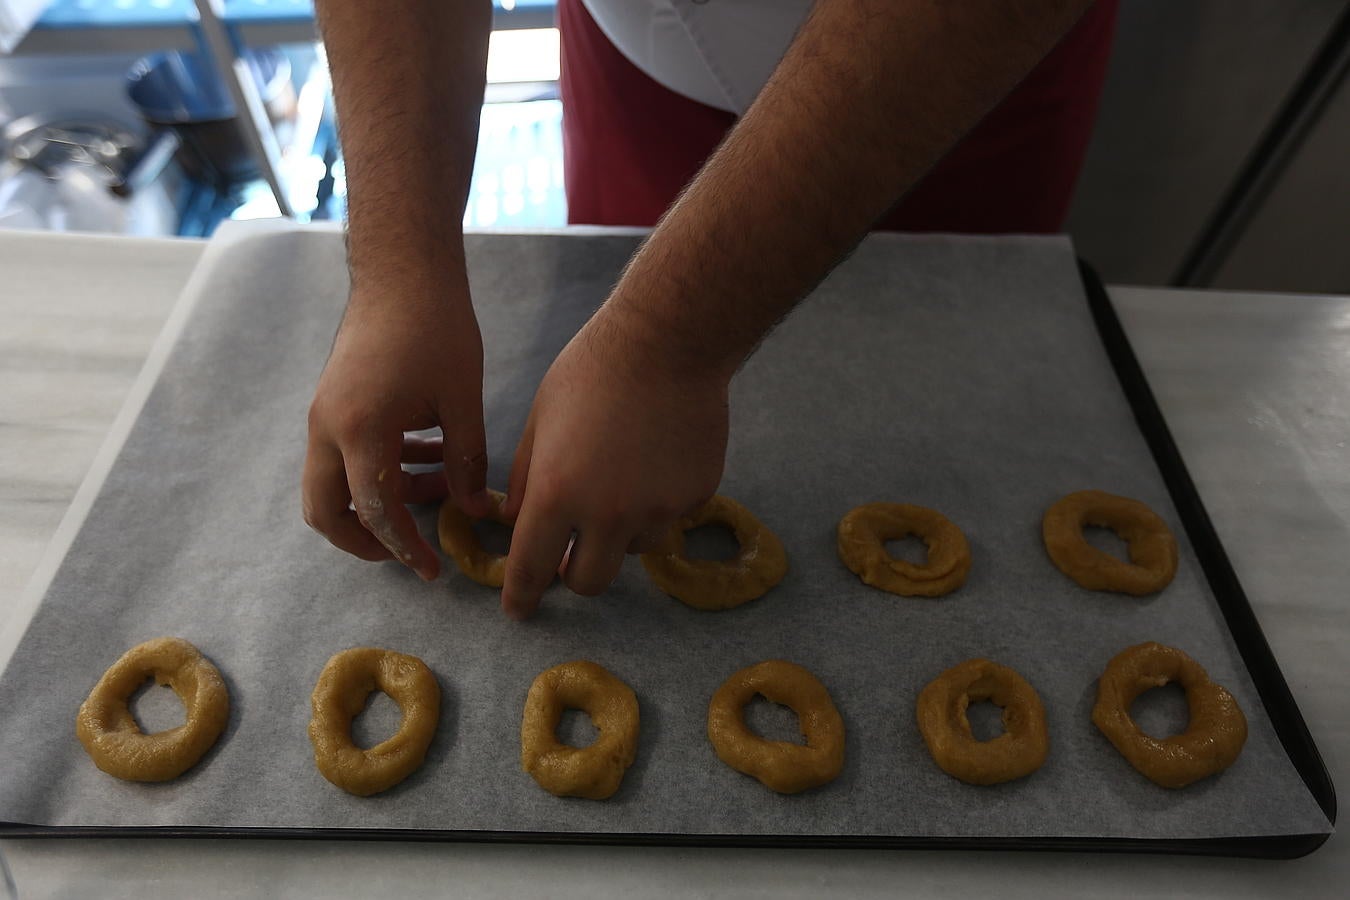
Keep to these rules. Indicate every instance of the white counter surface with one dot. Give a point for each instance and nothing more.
(1256, 389)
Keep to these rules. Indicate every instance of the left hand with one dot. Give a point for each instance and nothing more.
(621, 441)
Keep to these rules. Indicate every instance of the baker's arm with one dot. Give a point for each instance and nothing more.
(408, 80)
(629, 426)
(868, 97)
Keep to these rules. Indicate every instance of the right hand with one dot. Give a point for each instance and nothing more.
(403, 360)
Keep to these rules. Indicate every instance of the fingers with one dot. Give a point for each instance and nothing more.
(377, 481)
(432, 487)
(358, 504)
(520, 471)
(537, 546)
(594, 561)
(325, 498)
(421, 451)
(649, 540)
(464, 452)
(588, 566)
(424, 487)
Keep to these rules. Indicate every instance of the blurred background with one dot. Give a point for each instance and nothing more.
(1221, 157)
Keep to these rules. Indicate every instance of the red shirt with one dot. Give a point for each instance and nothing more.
(630, 144)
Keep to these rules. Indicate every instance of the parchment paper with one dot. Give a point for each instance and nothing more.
(961, 374)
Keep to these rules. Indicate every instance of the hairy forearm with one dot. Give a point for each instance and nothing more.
(408, 82)
(869, 96)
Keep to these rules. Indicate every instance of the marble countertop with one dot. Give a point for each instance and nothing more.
(1254, 387)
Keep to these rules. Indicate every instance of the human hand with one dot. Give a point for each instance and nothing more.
(399, 363)
(621, 441)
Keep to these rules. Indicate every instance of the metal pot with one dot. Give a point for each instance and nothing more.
(51, 143)
(78, 172)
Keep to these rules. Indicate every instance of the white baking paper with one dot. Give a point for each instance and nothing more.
(964, 374)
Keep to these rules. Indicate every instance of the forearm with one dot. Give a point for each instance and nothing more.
(408, 82)
(867, 99)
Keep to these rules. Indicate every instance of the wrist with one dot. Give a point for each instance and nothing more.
(674, 348)
(407, 274)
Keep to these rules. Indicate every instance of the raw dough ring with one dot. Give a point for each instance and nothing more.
(1210, 743)
(593, 772)
(340, 695)
(1153, 550)
(719, 584)
(861, 542)
(461, 544)
(782, 766)
(1017, 752)
(110, 735)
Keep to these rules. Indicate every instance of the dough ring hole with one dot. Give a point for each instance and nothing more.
(493, 537)
(787, 766)
(477, 546)
(1070, 530)
(551, 748)
(343, 694)
(773, 721)
(714, 542)
(1162, 712)
(120, 745)
(986, 719)
(377, 722)
(156, 710)
(961, 744)
(910, 549)
(705, 580)
(1106, 540)
(903, 549)
(575, 728)
(1216, 728)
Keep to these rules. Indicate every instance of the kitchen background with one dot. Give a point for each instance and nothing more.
(1221, 157)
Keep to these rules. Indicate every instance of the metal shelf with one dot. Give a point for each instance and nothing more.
(223, 28)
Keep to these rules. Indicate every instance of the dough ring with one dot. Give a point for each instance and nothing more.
(863, 533)
(782, 766)
(1017, 752)
(1152, 549)
(461, 544)
(593, 772)
(110, 735)
(1211, 742)
(716, 584)
(339, 697)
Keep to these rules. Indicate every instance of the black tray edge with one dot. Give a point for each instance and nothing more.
(1273, 847)
(1251, 641)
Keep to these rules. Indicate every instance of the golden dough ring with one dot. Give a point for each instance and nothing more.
(1211, 742)
(1017, 752)
(1152, 549)
(593, 772)
(861, 543)
(345, 683)
(459, 542)
(779, 765)
(719, 584)
(108, 730)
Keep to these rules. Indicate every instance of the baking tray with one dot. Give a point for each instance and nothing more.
(1208, 551)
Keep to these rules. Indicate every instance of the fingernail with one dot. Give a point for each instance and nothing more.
(428, 571)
